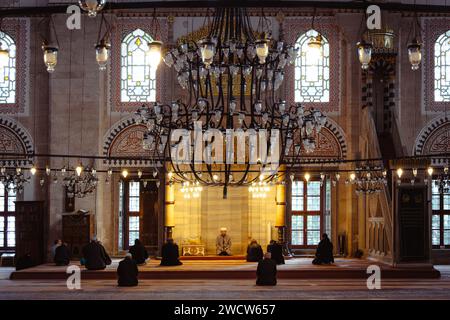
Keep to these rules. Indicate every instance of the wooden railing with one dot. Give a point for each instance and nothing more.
(379, 229)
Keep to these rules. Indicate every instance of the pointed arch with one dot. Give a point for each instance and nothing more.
(312, 71)
(441, 68)
(137, 78)
(8, 72)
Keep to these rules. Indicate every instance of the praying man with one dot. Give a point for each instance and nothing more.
(223, 243)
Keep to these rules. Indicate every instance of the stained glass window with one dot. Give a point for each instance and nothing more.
(137, 78)
(312, 71)
(442, 68)
(8, 72)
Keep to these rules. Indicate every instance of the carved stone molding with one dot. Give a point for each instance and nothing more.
(14, 139)
(434, 138)
(124, 139)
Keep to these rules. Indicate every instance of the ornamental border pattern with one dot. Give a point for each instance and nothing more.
(427, 131)
(115, 130)
(23, 136)
(122, 27)
(329, 28)
(433, 28)
(388, 64)
(19, 30)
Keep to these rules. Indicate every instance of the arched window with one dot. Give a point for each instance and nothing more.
(312, 71)
(442, 68)
(137, 78)
(8, 73)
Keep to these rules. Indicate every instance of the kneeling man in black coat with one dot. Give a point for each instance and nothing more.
(267, 271)
(62, 255)
(170, 254)
(127, 272)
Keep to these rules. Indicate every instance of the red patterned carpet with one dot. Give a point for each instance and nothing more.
(299, 268)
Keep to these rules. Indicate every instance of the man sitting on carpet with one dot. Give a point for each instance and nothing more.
(267, 271)
(138, 252)
(127, 272)
(254, 252)
(324, 252)
(62, 255)
(277, 251)
(223, 243)
(170, 254)
(95, 256)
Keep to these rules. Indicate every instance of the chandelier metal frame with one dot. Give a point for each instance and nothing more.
(232, 79)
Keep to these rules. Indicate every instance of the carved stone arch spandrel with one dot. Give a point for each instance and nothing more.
(124, 139)
(434, 139)
(16, 140)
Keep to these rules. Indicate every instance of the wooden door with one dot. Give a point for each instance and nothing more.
(30, 230)
(149, 214)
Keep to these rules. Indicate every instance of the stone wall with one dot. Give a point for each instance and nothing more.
(77, 123)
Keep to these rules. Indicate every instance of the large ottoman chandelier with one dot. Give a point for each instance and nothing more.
(232, 78)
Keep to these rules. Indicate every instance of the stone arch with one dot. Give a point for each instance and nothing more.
(434, 138)
(124, 139)
(330, 143)
(14, 139)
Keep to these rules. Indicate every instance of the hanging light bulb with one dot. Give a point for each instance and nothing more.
(139, 173)
(399, 172)
(414, 172)
(154, 53)
(33, 170)
(262, 50)
(170, 175)
(364, 53)
(47, 170)
(315, 45)
(414, 54)
(430, 171)
(4, 57)
(124, 173)
(352, 176)
(307, 176)
(50, 57)
(207, 50)
(215, 177)
(79, 169)
(92, 6)
(102, 54)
